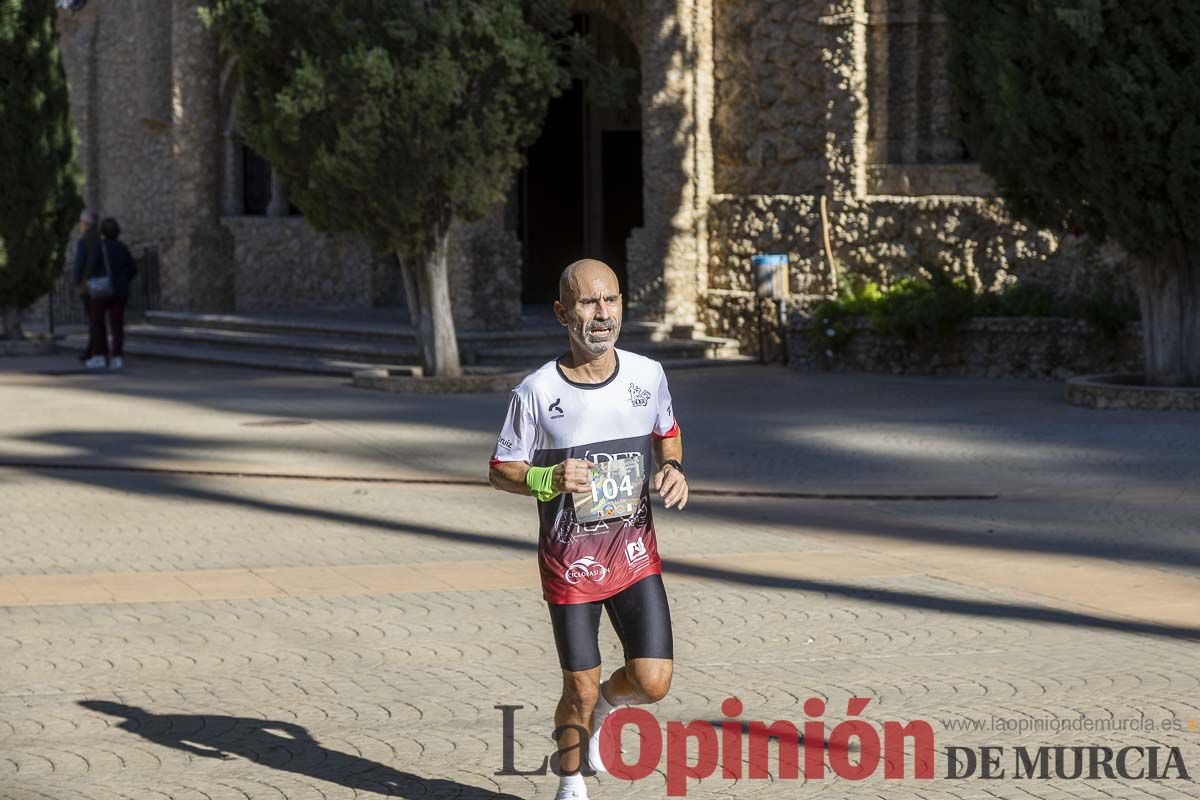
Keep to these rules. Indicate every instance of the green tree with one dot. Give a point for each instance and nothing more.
(39, 198)
(394, 117)
(1084, 112)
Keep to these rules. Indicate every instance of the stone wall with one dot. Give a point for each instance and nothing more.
(118, 62)
(986, 347)
(768, 127)
(485, 275)
(282, 263)
(884, 238)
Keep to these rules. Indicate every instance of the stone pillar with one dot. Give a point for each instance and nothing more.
(152, 22)
(197, 270)
(845, 62)
(79, 32)
(667, 256)
(232, 202)
(280, 202)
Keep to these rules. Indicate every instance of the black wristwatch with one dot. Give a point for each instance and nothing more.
(672, 462)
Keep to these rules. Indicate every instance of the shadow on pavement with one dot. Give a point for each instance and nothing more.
(283, 746)
(178, 486)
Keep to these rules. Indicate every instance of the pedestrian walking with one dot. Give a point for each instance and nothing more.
(108, 289)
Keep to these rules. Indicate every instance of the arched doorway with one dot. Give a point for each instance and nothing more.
(580, 193)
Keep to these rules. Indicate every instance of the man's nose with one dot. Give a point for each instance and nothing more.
(602, 310)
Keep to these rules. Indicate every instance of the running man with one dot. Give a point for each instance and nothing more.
(579, 435)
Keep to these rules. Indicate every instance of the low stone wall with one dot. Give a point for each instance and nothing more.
(991, 347)
(282, 263)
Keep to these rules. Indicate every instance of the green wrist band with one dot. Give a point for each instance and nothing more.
(540, 481)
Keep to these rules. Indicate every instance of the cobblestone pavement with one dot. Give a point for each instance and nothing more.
(174, 623)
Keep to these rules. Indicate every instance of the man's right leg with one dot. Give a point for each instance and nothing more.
(574, 714)
(576, 635)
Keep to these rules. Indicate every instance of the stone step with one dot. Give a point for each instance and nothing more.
(381, 350)
(329, 365)
(507, 352)
(326, 344)
(347, 327)
(244, 357)
(540, 353)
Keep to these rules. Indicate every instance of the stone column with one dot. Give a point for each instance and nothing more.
(280, 203)
(152, 22)
(667, 256)
(845, 62)
(197, 270)
(232, 201)
(79, 32)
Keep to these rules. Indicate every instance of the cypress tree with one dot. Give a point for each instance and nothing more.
(39, 199)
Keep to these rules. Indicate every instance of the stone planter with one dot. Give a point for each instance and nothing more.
(991, 347)
(1129, 391)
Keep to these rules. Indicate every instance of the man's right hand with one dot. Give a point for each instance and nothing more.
(572, 476)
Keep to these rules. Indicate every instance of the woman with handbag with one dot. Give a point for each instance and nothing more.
(108, 289)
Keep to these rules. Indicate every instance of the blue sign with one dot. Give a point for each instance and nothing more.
(770, 274)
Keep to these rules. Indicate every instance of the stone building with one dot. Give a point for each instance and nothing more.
(823, 129)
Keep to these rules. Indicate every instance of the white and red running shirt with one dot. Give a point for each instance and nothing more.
(551, 418)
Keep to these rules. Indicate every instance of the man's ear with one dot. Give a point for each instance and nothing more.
(560, 312)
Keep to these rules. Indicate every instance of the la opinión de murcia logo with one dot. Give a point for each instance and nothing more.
(727, 744)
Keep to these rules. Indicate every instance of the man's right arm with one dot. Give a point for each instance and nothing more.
(509, 476)
(569, 476)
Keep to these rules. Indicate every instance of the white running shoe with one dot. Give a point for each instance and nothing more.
(594, 741)
(96, 362)
(569, 793)
(117, 363)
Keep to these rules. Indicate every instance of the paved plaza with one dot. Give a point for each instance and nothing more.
(221, 584)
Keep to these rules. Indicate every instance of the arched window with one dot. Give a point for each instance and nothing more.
(249, 187)
(913, 141)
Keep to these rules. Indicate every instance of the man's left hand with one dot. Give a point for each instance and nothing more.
(671, 484)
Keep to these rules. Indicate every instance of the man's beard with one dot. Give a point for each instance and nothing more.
(597, 347)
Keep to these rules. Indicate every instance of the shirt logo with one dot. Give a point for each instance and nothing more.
(635, 552)
(638, 396)
(586, 567)
(500, 440)
(556, 407)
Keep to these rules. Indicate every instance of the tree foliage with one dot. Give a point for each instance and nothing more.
(40, 199)
(1084, 112)
(392, 116)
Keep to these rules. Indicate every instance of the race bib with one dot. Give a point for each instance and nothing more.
(616, 488)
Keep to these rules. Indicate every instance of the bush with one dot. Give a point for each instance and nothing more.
(924, 313)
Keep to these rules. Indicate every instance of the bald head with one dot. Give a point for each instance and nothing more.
(582, 275)
(589, 305)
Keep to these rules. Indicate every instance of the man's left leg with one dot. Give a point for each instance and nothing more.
(642, 619)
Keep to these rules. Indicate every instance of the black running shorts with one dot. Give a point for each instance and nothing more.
(639, 614)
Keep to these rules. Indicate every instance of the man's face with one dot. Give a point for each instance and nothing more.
(83, 227)
(592, 314)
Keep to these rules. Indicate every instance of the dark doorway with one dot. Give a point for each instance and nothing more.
(580, 194)
(552, 222)
(256, 182)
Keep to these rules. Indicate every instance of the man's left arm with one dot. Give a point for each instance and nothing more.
(669, 481)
